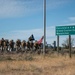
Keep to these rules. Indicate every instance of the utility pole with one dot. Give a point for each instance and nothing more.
(44, 27)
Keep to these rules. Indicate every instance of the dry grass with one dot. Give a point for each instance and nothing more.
(22, 64)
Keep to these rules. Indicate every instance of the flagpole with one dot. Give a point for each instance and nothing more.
(44, 27)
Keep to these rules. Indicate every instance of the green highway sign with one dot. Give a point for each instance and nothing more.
(65, 30)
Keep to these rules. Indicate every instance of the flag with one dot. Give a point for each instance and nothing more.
(31, 38)
(40, 41)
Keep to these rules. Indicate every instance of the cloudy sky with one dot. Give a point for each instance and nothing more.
(21, 18)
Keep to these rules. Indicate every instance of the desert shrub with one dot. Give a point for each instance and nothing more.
(9, 58)
(29, 58)
(5, 58)
(1, 58)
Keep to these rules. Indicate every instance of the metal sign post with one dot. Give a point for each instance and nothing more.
(70, 46)
(44, 26)
(58, 44)
(65, 30)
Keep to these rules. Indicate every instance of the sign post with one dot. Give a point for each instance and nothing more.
(70, 46)
(65, 30)
(58, 44)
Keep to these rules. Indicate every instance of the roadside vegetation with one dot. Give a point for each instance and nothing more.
(34, 64)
